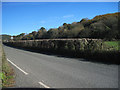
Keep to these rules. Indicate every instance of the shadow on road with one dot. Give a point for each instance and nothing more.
(66, 55)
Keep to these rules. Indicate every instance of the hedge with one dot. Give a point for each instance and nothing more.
(93, 49)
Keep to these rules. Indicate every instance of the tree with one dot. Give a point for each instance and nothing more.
(64, 24)
(40, 33)
(84, 33)
(22, 34)
(102, 26)
(52, 33)
(34, 33)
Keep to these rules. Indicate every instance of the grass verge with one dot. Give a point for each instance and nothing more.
(114, 44)
(7, 73)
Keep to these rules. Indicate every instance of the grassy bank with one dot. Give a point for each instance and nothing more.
(7, 73)
(114, 44)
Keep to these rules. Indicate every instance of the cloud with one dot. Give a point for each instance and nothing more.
(68, 16)
(57, 17)
(42, 21)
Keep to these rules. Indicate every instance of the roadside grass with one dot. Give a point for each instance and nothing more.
(114, 44)
(7, 74)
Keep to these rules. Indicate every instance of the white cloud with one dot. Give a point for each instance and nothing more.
(42, 21)
(68, 16)
(57, 17)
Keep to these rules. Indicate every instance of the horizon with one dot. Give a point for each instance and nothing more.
(25, 17)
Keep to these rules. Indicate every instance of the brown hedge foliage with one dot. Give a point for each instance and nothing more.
(61, 44)
(93, 49)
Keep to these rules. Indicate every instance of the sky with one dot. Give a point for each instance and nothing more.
(60, 0)
(25, 17)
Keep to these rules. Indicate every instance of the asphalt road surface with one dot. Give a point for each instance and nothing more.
(49, 71)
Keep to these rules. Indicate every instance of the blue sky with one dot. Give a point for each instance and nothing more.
(25, 17)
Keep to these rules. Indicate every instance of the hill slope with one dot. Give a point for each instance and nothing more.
(101, 26)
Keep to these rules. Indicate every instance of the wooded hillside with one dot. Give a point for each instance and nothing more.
(100, 27)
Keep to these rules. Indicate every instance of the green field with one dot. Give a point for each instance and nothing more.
(114, 44)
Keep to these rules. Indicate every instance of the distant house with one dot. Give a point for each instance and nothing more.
(12, 37)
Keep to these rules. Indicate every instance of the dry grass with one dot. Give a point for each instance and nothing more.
(7, 74)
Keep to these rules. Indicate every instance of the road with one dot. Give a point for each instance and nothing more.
(50, 71)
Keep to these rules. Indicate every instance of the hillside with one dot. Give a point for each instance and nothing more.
(100, 27)
(5, 37)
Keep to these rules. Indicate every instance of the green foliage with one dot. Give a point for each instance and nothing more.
(113, 44)
(42, 31)
(52, 33)
(84, 33)
(70, 45)
(7, 74)
(2, 76)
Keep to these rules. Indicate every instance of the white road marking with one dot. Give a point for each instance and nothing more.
(43, 85)
(17, 67)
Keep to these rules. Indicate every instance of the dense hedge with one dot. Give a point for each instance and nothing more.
(87, 48)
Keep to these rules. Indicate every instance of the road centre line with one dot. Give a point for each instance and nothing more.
(17, 67)
(43, 85)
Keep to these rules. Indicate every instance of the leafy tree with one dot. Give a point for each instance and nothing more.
(84, 33)
(34, 33)
(40, 33)
(52, 33)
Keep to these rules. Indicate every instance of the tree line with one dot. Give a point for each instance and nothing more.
(100, 27)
